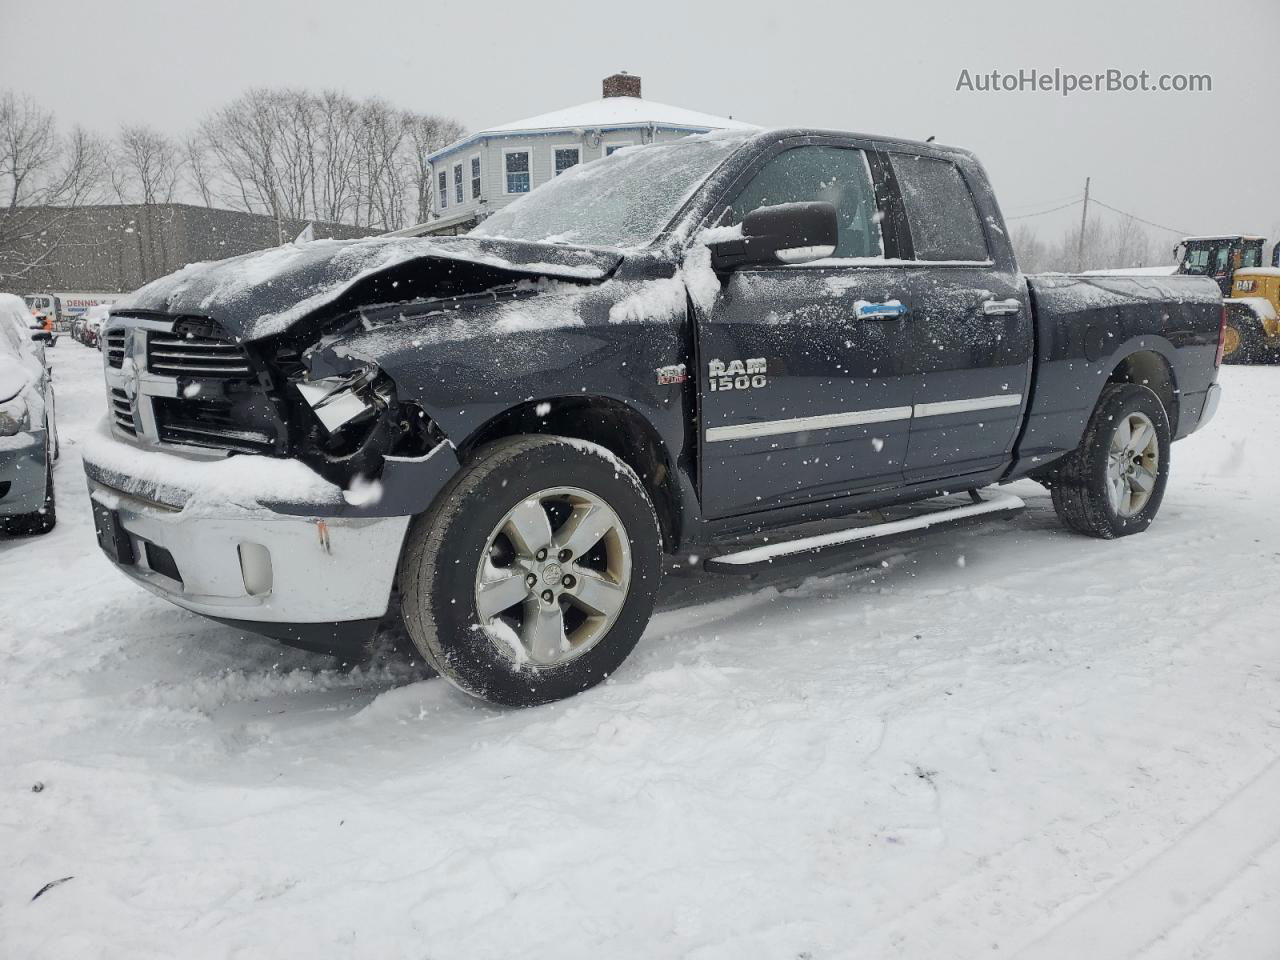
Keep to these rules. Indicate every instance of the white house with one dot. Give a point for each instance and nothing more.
(485, 171)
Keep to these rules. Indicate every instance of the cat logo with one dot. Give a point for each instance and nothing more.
(737, 374)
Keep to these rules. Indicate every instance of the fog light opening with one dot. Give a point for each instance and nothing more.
(255, 568)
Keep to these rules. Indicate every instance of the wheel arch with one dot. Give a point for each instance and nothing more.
(612, 424)
(1150, 369)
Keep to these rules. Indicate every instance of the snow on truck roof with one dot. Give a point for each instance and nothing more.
(1224, 236)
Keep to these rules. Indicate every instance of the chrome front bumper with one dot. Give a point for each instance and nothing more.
(270, 572)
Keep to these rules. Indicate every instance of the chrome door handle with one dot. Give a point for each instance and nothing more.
(881, 311)
(999, 308)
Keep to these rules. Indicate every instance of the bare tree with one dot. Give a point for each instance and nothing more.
(1125, 243)
(303, 156)
(290, 154)
(195, 156)
(339, 159)
(43, 177)
(382, 185)
(244, 145)
(427, 134)
(1034, 255)
(146, 169)
(146, 166)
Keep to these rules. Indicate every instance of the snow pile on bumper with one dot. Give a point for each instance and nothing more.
(246, 482)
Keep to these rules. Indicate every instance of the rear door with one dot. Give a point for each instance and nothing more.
(971, 334)
(805, 385)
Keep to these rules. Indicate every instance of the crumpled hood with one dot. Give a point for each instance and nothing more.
(261, 294)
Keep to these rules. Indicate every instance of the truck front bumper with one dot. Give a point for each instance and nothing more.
(321, 583)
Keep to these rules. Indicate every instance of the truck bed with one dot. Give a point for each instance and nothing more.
(1087, 325)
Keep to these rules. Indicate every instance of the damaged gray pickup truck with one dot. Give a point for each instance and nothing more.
(729, 347)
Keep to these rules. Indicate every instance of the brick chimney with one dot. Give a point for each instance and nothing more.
(622, 85)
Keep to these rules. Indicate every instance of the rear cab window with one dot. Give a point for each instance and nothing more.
(941, 214)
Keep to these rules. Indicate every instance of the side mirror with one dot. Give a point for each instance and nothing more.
(785, 233)
(42, 336)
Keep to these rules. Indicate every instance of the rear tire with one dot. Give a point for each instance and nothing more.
(474, 539)
(1112, 485)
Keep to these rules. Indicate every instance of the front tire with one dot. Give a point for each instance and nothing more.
(535, 573)
(1112, 485)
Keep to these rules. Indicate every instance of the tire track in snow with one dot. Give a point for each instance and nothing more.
(1138, 911)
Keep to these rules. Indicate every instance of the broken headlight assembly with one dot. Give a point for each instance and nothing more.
(358, 421)
(346, 400)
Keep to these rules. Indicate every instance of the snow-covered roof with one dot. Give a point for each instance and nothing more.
(1228, 236)
(621, 112)
(607, 113)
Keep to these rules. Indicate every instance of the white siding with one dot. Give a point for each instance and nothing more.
(542, 162)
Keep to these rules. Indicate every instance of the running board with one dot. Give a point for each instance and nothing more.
(994, 505)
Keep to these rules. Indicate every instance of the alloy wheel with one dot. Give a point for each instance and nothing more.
(1133, 463)
(554, 575)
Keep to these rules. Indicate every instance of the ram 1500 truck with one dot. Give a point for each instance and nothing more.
(713, 347)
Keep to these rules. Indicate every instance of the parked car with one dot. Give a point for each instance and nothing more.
(28, 430)
(91, 324)
(701, 348)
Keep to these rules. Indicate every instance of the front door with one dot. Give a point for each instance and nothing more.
(803, 385)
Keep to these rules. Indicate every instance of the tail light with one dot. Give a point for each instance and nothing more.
(1222, 337)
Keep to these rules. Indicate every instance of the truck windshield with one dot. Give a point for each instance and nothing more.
(624, 200)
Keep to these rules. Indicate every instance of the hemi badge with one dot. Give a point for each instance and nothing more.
(675, 373)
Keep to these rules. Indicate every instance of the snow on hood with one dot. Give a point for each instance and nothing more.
(261, 294)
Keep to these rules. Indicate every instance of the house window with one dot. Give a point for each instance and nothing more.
(517, 171)
(442, 190)
(458, 195)
(566, 157)
(611, 148)
(475, 177)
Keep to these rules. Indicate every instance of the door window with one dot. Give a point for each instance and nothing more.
(837, 175)
(944, 222)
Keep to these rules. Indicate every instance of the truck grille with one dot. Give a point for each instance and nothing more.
(196, 357)
(115, 348)
(122, 412)
(208, 423)
(197, 388)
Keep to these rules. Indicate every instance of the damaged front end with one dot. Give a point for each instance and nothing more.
(351, 421)
(237, 357)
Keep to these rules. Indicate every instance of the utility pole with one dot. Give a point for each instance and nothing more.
(1084, 217)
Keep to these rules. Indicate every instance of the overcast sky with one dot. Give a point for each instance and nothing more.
(1200, 162)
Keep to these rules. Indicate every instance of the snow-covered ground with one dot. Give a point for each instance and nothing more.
(1013, 742)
